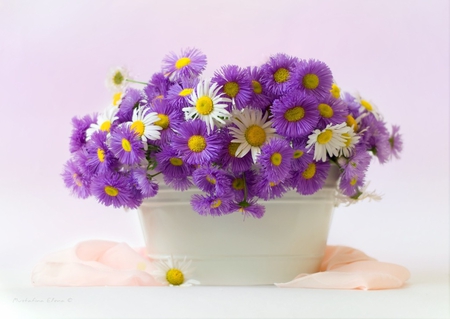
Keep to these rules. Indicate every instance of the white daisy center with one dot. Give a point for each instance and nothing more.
(111, 191)
(352, 122)
(281, 75)
(310, 81)
(105, 126)
(297, 154)
(257, 88)
(325, 137)
(185, 92)
(176, 161)
(182, 62)
(367, 105)
(126, 145)
(325, 110)
(348, 139)
(231, 89)
(310, 171)
(174, 277)
(101, 155)
(276, 159)
(139, 127)
(118, 78)
(197, 143)
(204, 105)
(163, 121)
(294, 114)
(255, 135)
(216, 203)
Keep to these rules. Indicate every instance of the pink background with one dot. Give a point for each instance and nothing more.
(55, 55)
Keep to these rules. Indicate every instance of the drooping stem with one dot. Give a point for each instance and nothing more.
(133, 81)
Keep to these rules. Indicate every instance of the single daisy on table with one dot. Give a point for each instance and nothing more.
(313, 77)
(174, 272)
(104, 121)
(208, 105)
(117, 79)
(143, 124)
(126, 145)
(328, 141)
(235, 84)
(277, 73)
(295, 114)
(190, 63)
(252, 130)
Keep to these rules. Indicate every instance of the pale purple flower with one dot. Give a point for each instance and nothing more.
(212, 180)
(171, 164)
(349, 184)
(275, 160)
(375, 137)
(178, 183)
(76, 180)
(190, 63)
(169, 120)
(100, 157)
(179, 93)
(235, 83)
(211, 205)
(131, 100)
(312, 77)
(331, 111)
(157, 87)
(311, 179)
(260, 97)
(396, 142)
(249, 208)
(268, 189)
(127, 145)
(146, 186)
(227, 156)
(115, 189)
(80, 126)
(278, 73)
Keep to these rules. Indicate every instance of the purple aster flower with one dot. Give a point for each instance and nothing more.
(171, 164)
(375, 137)
(358, 162)
(235, 83)
(352, 104)
(178, 183)
(76, 180)
(228, 157)
(349, 184)
(212, 180)
(313, 77)
(260, 97)
(146, 186)
(190, 63)
(275, 160)
(295, 114)
(243, 185)
(169, 120)
(115, 189)
(396, 141)
(211, 205)
(195, 145)
(157, 87)
(78, 136)
(100, 158)
(179, 93)
(278, 73)
(127, 145)
(268, 189)
(331, 111)
(130, 101)
(300, 158)
(311, 179)
(249, 208)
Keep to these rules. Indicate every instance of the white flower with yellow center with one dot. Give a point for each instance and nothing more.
(363, 194)
(143, 123)
(252, 131)
(367, 106)
(104, 121)
(329, 140)
(174, 272)
(117, 79)
(208, 105)
(351, 139)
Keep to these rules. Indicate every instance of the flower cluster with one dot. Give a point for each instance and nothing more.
(244, 134)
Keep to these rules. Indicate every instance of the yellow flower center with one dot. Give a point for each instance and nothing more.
(204, 105)
(163, 121)
(294, 114)
(126, 145)
(367, 105)
(182, 62)
(139, 127)
(105, 126)
(310, 171)
(116, 98)
(348, 139)
(255, 135)
(111, 191)
(272, 184)
(185, 92)
(310, 81)
(101, 155)
(325, 137)
(77, 180)
(298, 154)
(197, 143)
(281, 75)
(176, 161)
(231, 89)
(232, 148)
(174, 277)
(335, 91)
(276, 159)
(257, 88)
(216, 203)
(353, 181)
(238, 184)
(325, 110)
(211, 179)
(118, 78)
(352, 122)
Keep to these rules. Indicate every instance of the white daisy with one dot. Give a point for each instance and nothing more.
(174, 272)
(329, 140)
(117, 98)
(104, 121)
(351, 139)
(117, 79)
(363, 194)
(208, 105)
(143, 124)
(367, 106)
(252, 131)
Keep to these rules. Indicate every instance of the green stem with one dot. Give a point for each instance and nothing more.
(133, 81)
(154, 175)
(245, 187)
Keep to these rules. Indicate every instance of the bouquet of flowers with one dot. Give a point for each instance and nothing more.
(243, 135)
